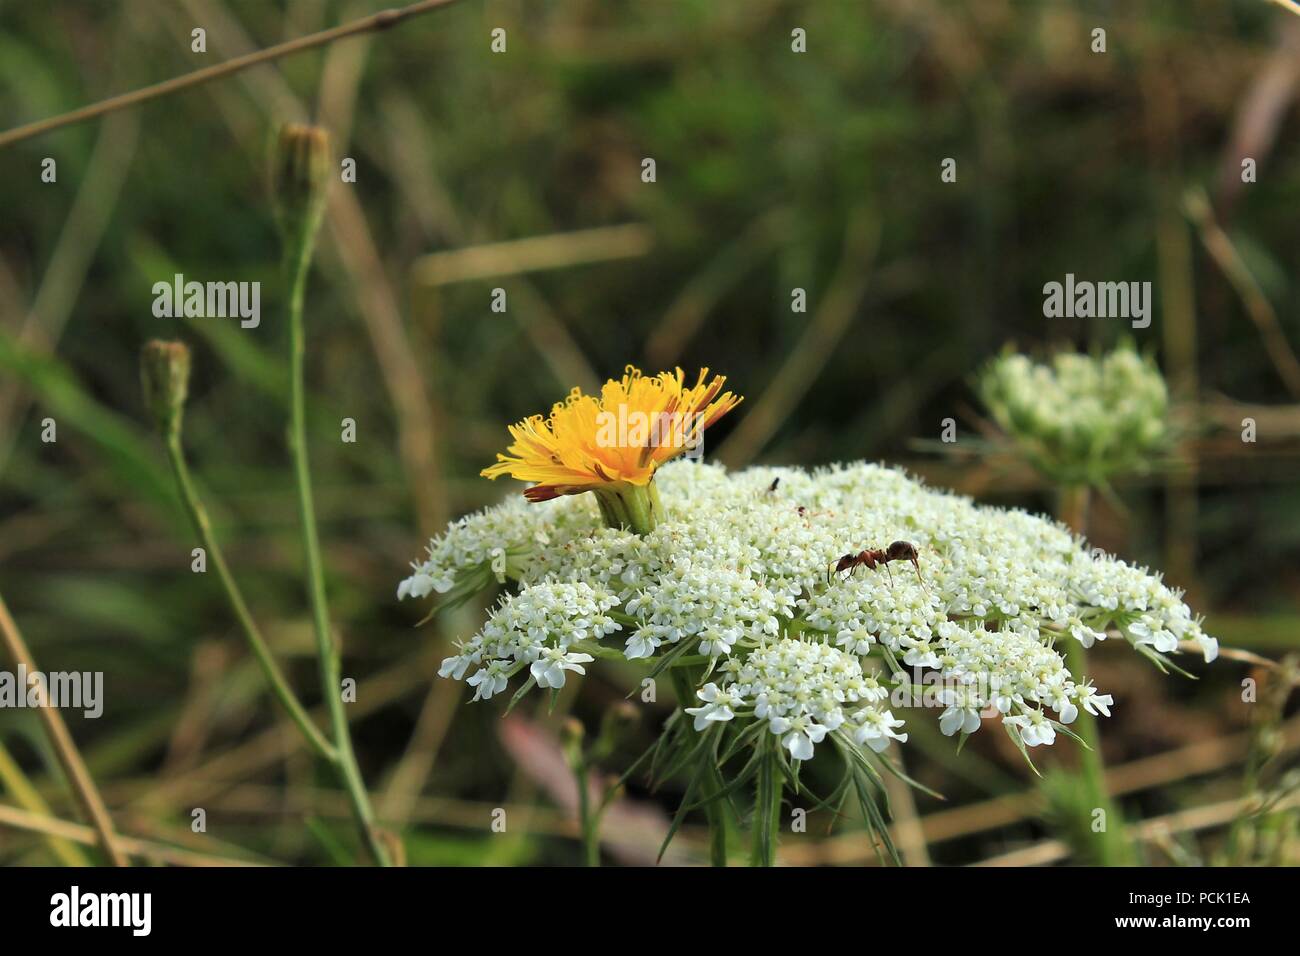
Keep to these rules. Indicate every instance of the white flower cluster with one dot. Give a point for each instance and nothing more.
(1080, 418)
(461, 548)
(1017, 675)
(737, 573)
(535, 628)
(804, 690)
(717, 605)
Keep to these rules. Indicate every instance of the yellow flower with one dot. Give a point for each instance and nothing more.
(614, 442)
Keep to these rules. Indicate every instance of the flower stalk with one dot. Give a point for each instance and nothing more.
(685, 680)
(1114, 845)
(300, 172)
(202, 524)
(634, 507)
(165, 375)
(767, 809)
(584, 760)
(571, 739)
(1073, 507)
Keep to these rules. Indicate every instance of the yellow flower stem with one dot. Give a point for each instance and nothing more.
(608, 512)
(625, 505)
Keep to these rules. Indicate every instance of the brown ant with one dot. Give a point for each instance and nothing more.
(878, 557)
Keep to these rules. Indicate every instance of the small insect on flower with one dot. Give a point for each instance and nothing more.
(873, 558)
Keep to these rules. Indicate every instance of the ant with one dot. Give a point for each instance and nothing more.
(878, 557)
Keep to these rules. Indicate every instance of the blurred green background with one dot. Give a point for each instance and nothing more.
(775, 170)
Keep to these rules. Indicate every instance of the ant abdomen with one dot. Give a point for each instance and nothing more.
(902, 551)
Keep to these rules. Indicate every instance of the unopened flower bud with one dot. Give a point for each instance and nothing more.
(300, 170)
(165, 374)
(1082, 418)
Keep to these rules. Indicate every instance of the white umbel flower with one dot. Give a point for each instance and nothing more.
(736, 573)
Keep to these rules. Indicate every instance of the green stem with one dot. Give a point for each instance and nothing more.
(767, 809)
(198, 516)
(635, 507)
(609, 513)
(1114, 845)
(685, 681)
(1072, 509)
(328, 652)
(717, 816)
(644, 507)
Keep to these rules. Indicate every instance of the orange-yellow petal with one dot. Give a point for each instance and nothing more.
(636, 424)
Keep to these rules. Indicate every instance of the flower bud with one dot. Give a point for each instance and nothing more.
(300, 169)
(165, 375)
(1083, 418)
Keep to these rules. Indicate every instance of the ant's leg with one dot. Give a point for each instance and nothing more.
(891, 577)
